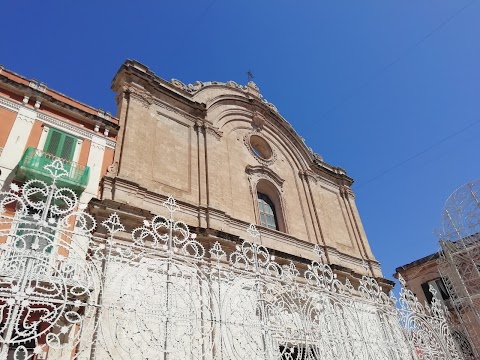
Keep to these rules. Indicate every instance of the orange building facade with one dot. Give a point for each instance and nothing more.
(36, 121)
(37, 127)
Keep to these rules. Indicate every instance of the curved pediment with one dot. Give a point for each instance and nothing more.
(225, 107)
(211, 104)
(251, 88)
(265, 173)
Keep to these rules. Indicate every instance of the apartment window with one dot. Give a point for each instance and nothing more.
(266, 210)
(438, 285)
(60, 144)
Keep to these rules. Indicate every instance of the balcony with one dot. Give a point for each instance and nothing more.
(32, 166)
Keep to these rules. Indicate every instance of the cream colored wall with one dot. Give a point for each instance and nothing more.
(236, 182)
(159, 152)
(202, 161)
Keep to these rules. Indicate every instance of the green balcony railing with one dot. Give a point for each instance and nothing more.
(32, 166)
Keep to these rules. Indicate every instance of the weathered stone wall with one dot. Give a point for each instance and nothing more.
(194, 145)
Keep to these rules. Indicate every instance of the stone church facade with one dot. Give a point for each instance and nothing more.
(261, 256)
(230, 159)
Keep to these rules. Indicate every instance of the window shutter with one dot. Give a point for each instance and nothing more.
(53, 142)
(60, 144)
(68, 147)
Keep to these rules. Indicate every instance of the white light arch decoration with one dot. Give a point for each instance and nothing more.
(156, 292)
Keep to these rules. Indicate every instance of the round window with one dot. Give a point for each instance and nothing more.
(260, 147)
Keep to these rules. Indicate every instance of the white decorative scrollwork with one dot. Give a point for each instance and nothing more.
(154, 292)
(48, 284)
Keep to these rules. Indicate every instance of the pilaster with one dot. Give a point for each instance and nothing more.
(95, 161)
(16, 142)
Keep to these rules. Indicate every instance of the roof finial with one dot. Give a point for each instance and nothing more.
(250, 76)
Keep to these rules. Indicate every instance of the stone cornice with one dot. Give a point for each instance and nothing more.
(41, 95)
(8, 104)
(335, 172)
(318, 178)
(278, 237)
(132, 68)
(49, 120)
(72, 128)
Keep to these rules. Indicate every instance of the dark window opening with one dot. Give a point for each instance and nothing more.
(297, 353)
(24, 340)
(438, 285)
(266, 209)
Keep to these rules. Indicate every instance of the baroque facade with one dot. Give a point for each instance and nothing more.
(237, 161)
(262, 256)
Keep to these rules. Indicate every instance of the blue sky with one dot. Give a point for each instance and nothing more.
(368, 84)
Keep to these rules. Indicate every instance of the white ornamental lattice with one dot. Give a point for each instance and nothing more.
(67, 294)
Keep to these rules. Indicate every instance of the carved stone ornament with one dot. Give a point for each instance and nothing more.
(259, 147)
(270, 105)
(258, 121)
(262, 172)
(250, 88)
(112, 170)
(252, 85)
(317, 157)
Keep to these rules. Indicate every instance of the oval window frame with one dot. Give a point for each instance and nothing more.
(260, 148)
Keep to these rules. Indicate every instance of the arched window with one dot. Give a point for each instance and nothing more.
(268, 203)
(266, 211)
